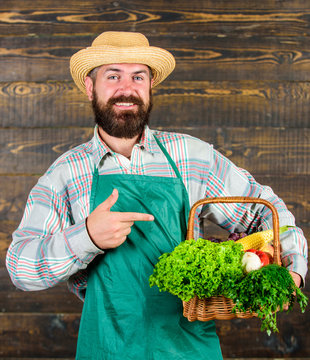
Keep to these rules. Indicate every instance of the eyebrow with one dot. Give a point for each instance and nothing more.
(119, 70)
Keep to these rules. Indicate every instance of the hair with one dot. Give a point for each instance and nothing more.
(93, 73)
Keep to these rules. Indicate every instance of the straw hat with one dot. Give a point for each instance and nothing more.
(116, 47)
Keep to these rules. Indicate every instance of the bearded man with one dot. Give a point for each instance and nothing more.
(106, 210)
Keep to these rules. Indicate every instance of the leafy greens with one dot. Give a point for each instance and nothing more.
(266, 291)
(201, 268)
(205, 269)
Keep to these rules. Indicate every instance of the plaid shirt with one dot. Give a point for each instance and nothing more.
(52, 245)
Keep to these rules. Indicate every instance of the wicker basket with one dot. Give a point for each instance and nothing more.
(220, 307)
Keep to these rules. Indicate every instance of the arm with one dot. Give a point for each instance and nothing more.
(48, 246)
(226, 179)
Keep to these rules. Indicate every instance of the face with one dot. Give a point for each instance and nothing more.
(121, 98)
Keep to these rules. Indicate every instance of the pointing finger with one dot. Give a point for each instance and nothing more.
(134, 216)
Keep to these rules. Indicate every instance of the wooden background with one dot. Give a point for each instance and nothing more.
(242, 82)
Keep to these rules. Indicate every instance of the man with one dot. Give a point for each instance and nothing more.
(105, 211)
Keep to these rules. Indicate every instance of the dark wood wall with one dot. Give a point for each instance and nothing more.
(242, 82)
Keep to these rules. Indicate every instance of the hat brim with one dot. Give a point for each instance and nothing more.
(159, 60)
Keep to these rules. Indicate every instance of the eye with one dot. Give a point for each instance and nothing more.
(138, 78)
(113, 77)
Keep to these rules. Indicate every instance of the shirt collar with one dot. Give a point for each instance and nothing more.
(100, 149)
(148, 141)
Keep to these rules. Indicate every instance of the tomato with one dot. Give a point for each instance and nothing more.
(264, 258)
(269, 250)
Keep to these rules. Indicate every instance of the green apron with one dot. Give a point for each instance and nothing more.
(123, 318)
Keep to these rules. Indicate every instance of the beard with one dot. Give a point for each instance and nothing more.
(125, 124)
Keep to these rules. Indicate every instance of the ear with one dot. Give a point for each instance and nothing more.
(152, 82)
(89, 85)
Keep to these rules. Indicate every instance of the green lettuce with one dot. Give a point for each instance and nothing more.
(199, 267)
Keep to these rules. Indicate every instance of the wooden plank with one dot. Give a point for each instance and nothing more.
(54, 300)
(231, 103)
(58, 334)
(6, 230)
(294, 191)
(39, 146)
(13, 196)
(262, 151)
(198, 56)
(29, 104)
(242, 337)
(168, 18)
(222, 5)
(176, 103)
(223, 50)
(38, 335)
(14, 190)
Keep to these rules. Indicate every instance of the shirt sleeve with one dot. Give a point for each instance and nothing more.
(48, 246)
(226, 179)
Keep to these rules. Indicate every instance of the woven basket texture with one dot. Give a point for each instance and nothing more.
(220, 307)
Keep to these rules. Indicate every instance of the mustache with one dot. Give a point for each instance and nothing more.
(122, 98)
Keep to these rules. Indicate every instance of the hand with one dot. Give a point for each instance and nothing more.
(296, 277)
(297, 280)
(108, 229)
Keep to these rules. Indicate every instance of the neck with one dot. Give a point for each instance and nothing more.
(121, 146)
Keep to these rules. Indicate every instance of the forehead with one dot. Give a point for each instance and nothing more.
(126, 68)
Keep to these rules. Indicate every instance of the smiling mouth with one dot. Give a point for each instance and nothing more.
(124, 104)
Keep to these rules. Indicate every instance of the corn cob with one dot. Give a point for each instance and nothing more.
(259, 239)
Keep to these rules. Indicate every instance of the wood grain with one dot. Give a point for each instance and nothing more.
(198, 56)
(40, 147)
(204, 16)
(272, 151)
(178, 4)
(54, 328)
(57, 334)
(242, 82)
(291, 341)
(14, 191)
(54, 300)
(176, 103)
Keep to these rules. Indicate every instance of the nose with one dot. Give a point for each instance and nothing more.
(126, 87)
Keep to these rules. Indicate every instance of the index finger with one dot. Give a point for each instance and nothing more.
(134, 216)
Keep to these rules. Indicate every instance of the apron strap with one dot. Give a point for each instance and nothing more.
(94, 188)
(164, 150)
(171, 162)
(178, 174)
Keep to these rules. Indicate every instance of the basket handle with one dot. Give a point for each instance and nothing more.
(239, 199)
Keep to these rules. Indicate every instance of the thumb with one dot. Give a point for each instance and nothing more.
(110, 201)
